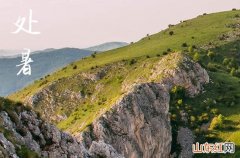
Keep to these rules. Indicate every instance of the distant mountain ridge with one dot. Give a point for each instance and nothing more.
(99, 48)
(44, 63)
(107, 46)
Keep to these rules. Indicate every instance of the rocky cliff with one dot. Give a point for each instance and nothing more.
(137, 125)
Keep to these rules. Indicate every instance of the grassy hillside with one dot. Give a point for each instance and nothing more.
(213, 40)
(199, 31)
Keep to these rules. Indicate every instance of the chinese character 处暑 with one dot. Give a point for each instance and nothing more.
(26, 60)
(20, 24)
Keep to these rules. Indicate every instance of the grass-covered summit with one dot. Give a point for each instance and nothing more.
(83, 90)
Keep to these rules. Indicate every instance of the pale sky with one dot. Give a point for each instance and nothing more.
(83, 23)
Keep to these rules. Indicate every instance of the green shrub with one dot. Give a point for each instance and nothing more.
(180, 101)
(233, 63)
(226, 61)
(192, 118)
(214, 111)
(165, 53)
(93, 56)
(24, 152)
(211, 55)
(171, 33)
(132, 61)
(217, 122)
(190, 49)
(212, 67)
(235, 72)
(184, 44)
(178, 92)
(196, 57)
(75, 67)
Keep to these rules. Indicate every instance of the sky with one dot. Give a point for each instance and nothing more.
(84, 23)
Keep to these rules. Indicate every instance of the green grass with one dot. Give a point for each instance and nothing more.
(203, 28)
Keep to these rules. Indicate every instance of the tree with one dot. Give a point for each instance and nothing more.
(75, 67)
(171, 33)
(132, 61)
(184, 44)
(93, 55)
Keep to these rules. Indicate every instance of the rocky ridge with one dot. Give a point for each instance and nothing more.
(138, 125)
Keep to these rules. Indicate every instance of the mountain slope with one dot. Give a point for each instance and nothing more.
(75, 99)
(44, 63)
(199, 32)
(143, 110)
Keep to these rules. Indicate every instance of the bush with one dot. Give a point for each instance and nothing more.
(147, 56)
(180, 101)
(217, 122)
(214, 111)
(171, 33)
(226, 61)
(169, 50)
(178, 92)
(93, 55)
(211, 55)
(75, 67)
(233, 63)
(174, 117)
(132, 61)
(235, 72)
(203, 118)
(158, 55)
(192, 118)
(184, 44)
(165, 53)
(24, 152)
(212, 67)
(190, 49)
(196, 57)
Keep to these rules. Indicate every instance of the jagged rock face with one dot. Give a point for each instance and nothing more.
(138, 125)
(185, 138)
(43, 138)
